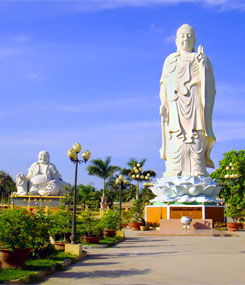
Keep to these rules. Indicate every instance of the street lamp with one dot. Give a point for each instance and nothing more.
(122, 183)
(137, 174)
(73, 155)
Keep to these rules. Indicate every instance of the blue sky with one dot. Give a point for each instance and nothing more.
(89, 71)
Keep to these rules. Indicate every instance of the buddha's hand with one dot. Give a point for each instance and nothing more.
(164, 112)
(200, 55)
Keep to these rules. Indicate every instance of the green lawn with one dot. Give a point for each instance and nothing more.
(33, 265)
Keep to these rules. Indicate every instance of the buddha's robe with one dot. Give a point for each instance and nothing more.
(187, 91)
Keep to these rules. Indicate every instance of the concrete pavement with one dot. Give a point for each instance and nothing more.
(161, 260)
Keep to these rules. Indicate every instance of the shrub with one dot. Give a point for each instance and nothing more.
(110, 220)
(136, 211)
(88, 224)
(25, 229)
(61, 228)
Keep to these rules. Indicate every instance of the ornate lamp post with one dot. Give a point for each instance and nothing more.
(137, 174)
(122, 183)
(73, 155)
(231, 169)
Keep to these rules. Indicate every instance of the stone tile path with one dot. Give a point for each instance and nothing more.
(161, 260)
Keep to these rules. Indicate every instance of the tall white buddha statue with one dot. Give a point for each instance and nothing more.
(42, 179)
(187, 91)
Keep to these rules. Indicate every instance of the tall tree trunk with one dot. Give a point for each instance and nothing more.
(137, 190)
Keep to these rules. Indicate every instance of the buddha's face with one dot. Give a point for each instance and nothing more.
(185, 40)
(43, 157)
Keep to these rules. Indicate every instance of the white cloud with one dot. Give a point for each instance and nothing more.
(35, 76)
(109, 105)
(157, 29)
(226, 4)
(20, 38)
(6, 52)
(93, 5)
(170, 39)
(227, 130)
(230, 99)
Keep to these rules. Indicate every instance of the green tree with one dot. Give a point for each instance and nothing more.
(84, 194)
(7, 184)
(129, 193)
(102, 169)
(231, 176)
(146, 195)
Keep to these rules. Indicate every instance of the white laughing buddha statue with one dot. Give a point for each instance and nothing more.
(43, 179)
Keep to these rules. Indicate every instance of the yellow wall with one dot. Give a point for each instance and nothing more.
(154, 214)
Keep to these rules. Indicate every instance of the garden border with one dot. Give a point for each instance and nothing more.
(36, 276)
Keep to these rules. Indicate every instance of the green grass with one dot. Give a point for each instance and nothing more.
(12, 274)
(107, 240)
(32, 265)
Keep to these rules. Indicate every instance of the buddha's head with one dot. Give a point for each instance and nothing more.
(43, 157)
(185, 38)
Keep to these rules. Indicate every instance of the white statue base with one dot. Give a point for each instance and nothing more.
(185, 189)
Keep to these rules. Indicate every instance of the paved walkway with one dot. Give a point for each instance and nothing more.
(161, 260)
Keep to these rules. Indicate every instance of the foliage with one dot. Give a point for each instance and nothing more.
(7, 184)
(125, 215)
(110, 220)
(102, 169)
(146, 195)
(68, 198)
(40, 243)
(61, 227)
(129, 193)
(106, 240)
(233, 212)
(232, 189)
(88, 224)
(84, 194)
(110, 240)
(17, 227)
(136, 211)
(25, 229)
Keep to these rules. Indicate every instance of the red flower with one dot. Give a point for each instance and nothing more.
(2, 242)
(26, 212)
(31, 209)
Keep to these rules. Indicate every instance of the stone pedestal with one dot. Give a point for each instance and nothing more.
(51, 203)
(169, 211)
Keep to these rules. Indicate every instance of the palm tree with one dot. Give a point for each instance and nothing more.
(84, 193)
(129, 193)
(102, 169)
(143, 175)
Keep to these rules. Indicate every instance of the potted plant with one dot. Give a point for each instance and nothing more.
(136, 215)
(21, 232)
(88, 225)
(125, 216)
(234, 213)
(61, 229)
(110, 223)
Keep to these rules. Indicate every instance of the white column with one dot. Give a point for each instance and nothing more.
(168, 212)
(203, 212)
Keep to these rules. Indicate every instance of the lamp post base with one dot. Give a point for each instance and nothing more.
(74, 249)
